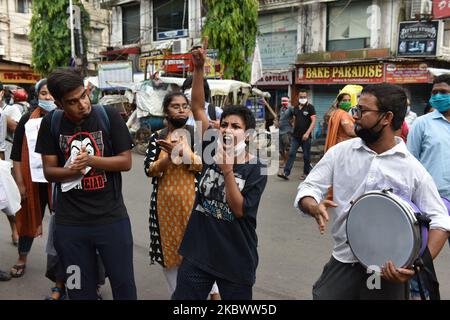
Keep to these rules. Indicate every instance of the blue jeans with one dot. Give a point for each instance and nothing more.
(306, 148)
(195, 284)
(77, 245)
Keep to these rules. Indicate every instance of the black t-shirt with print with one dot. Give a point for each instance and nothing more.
(98, 198)
(303, 119)
(215, 240)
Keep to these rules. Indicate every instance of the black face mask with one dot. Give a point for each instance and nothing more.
(369, 136)
(177, 122)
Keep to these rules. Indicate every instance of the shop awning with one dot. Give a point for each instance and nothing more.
(437, 72)
(133, 50)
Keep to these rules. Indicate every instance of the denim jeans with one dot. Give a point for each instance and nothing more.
(306, 148)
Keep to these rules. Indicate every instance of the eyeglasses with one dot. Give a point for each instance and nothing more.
(359, 113)
(178, 107)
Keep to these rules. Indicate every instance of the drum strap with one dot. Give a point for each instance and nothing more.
(428, 274)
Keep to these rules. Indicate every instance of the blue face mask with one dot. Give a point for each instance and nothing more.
(47, 105)
(441, 102)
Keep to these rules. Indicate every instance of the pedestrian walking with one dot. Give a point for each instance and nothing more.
(304, 123)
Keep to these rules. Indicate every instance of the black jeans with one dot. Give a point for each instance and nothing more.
(349, 281)
(195, 284)
(77, 246)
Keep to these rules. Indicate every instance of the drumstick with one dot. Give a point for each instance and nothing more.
(205, 43)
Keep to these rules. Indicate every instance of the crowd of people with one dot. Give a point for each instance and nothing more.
(67, 158)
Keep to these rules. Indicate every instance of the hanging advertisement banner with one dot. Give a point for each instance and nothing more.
(406, 73)
(418, 38)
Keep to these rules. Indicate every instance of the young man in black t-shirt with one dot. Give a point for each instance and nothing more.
(304, 123)
(88, 147)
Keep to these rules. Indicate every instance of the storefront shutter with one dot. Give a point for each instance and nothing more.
(322, 99)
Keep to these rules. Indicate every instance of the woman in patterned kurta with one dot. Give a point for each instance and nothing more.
(174, 186)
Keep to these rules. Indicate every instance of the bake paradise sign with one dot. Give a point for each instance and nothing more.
(348, 74)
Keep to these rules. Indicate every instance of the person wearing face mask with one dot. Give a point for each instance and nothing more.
(380, 160)
(429, 137)
(35, 193)
(341, 124)
(173, 182)
(285, 120)
(220, 242)
(304, 123)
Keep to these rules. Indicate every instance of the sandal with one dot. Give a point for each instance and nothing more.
(283, 176)
(20, 270)
(61, 291)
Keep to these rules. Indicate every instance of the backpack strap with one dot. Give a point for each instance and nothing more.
(105, 126)
(103, 117)
(55, 128)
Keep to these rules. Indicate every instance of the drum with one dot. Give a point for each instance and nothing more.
(381, 226)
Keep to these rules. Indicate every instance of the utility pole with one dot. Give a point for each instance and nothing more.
(74, 24)
(72, 35)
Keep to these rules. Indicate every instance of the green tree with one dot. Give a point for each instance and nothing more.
(231, 28)
(50, 36)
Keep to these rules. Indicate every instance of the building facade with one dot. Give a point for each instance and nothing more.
(155, 34)
(15, 47)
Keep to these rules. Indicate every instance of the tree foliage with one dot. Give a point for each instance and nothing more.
(50, 36)
(231, 27)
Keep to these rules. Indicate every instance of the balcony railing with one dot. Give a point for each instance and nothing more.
(279, 4)
(108, 4)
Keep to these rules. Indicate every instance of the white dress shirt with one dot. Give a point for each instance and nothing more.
(353, 170)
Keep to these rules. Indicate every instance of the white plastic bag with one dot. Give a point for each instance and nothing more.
(9, 192)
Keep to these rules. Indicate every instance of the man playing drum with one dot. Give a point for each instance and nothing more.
(379, 161)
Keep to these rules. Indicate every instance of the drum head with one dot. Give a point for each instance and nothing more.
(379, 230)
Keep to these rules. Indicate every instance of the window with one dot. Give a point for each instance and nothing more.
(170, 19)
(23, 6)
(347, 25)
(131, 24)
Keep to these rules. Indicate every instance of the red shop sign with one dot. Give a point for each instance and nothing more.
(441, 9)
(177, 63)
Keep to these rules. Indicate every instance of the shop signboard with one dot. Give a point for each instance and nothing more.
(114, 72)
(418, 38)
(406, 73)
(340, 74)
(178, 63)
(275, 79)
(19, 76)
(153, 60)
(441, 9)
